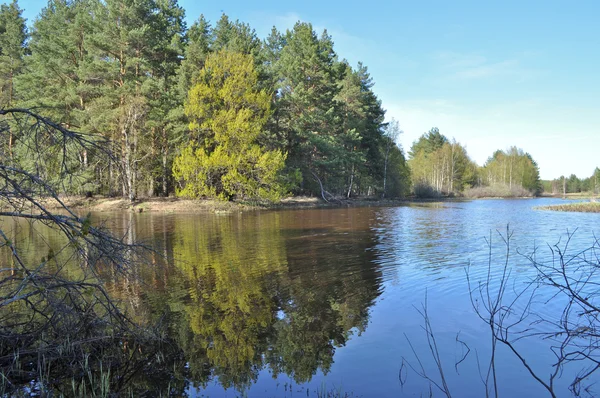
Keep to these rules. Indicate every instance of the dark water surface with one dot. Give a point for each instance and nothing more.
(302, 302)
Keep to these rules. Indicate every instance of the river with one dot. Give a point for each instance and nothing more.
(325, 301)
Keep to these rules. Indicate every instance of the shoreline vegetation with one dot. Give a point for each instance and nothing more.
(581, 207)
(103, 204)
(207, 205)
(215, 111)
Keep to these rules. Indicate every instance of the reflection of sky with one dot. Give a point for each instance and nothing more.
(385, 260)
(381, 262)
(424, 250)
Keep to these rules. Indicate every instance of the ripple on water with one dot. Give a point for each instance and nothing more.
(342, 286)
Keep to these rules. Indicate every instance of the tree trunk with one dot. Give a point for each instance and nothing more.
(10, 144)
(385, 172)
(165, 172)
(127, 166)
(321, 185)
(351, 182)
(510, 174)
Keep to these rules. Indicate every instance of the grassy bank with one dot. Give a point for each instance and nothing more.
(584, 207)
(572, 195)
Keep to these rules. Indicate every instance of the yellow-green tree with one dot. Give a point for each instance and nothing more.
(227, 114)
(439, 165)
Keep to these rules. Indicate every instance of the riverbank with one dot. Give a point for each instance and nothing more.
(582, 207)
(180, 205)
(572, 195)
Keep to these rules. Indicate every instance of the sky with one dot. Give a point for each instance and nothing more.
(489, 74)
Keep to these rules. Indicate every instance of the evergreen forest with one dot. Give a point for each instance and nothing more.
(214, 111)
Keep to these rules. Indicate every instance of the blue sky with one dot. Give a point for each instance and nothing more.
(489, 74)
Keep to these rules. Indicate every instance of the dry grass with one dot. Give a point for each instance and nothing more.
(583, 207)
(165, 205)
(497, 191)
(183, 206)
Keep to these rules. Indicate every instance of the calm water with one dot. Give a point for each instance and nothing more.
(290, 303)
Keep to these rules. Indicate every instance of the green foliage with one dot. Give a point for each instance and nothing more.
(573, 184)
(199, 45)
(227, 115)
(305, 102)
(428, 143)
(398, 174)
(13, 34)
(513, 168)
(440, 166)
(326, 115)
(124, 70)
(62, 59)
(109, 68)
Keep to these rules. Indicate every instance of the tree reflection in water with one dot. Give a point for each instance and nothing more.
(240, 293)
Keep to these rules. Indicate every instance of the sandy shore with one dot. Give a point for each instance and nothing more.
(179, 205)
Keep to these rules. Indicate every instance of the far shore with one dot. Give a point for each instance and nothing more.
(99, 203)
(573, 195)
(180, 205)
(582, 207)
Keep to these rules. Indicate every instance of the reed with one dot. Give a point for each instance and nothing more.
(583, 207)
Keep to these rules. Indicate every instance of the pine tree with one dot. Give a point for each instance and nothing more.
(392, 132)
(123, 69)
(164, 122)
(62, 58)
(373, 141)
(139, 45)
(227, 115)
(306, 91)
(272, 136)
(236, 37)
(361, 134)
(13, 34)
(199, 44)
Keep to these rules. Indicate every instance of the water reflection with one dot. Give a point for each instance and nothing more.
(245, 292)
(246, 296)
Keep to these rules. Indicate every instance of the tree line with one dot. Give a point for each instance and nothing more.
(214, 111)
(573, 184)
(209, 110)
(443, 166)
